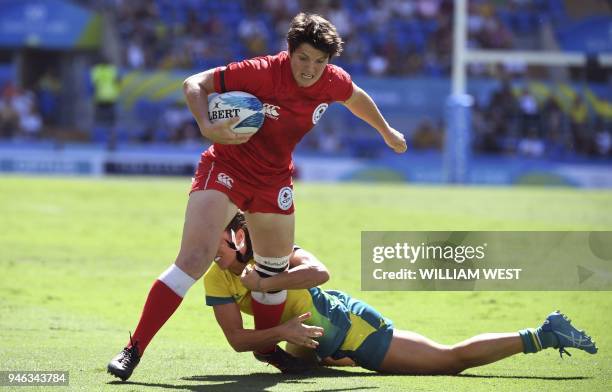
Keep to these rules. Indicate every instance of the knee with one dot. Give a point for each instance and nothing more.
(447, 362)
(194, 262)
(454, 363)
(451, 370)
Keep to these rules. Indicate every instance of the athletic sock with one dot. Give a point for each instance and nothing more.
(547, 338)
(266, 314)
(535, 340)
(164, 298)
(268, 307)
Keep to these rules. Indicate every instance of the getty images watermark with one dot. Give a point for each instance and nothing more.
(499, 260)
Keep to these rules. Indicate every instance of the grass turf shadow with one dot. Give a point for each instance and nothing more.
(262, 381)
(256, 381)
(551, 378)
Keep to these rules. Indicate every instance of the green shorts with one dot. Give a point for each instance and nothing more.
(367, 340)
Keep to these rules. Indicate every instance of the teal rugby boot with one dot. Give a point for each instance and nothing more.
(566, 334)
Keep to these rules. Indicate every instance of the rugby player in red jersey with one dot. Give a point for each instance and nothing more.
(252, 172)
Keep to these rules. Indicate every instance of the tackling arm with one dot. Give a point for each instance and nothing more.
(305, 271)
(230, 320)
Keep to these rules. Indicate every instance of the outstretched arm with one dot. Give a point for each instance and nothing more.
(305, 271)
(362, 106)
(241, 339)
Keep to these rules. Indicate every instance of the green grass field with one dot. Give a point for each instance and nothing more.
(79, 255)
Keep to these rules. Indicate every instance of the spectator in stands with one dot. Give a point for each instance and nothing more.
(135, 55)
(528, 105)
(48, 95)
(253, 32)
(603, 139)
(603, 143)
(105, 79)
(485, 134)
(174, 118)
(441, 43)
(23, 113)
(378, 63)
(328, 140)
(502, 112)
(555, 126)
(9, 117)
(531, 145)
(427, 136)
(30, 122)
(579, 127)
(340, 17)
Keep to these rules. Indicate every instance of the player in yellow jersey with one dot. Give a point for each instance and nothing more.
(344, 330)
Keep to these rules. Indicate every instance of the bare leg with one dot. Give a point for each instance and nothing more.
(272, 234)
(487, 348)
(411, 353)
(208, 212)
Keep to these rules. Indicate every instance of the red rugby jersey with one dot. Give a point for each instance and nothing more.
(291, 111)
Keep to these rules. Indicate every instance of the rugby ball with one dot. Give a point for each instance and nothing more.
(237, 103)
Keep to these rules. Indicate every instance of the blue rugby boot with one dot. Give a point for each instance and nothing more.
(558, 332)
(567, 335)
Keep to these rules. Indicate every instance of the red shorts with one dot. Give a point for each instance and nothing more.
(212, 174)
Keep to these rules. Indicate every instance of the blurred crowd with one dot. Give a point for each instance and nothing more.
(383, 37)
(20, 117)
(26, 113)
(515, 121)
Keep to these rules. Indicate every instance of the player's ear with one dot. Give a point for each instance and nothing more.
(240, 238)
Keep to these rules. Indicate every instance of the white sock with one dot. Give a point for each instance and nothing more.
(177, 280)
(269, 298)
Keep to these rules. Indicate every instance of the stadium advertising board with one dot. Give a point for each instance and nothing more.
(51, 24)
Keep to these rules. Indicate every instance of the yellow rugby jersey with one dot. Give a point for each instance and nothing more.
(328, 312)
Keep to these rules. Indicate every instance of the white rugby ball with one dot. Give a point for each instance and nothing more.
(237, 103)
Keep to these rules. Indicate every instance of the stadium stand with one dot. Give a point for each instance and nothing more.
(519, 109)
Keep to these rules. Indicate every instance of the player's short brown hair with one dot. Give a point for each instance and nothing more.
(237, 222)
(315, 30)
